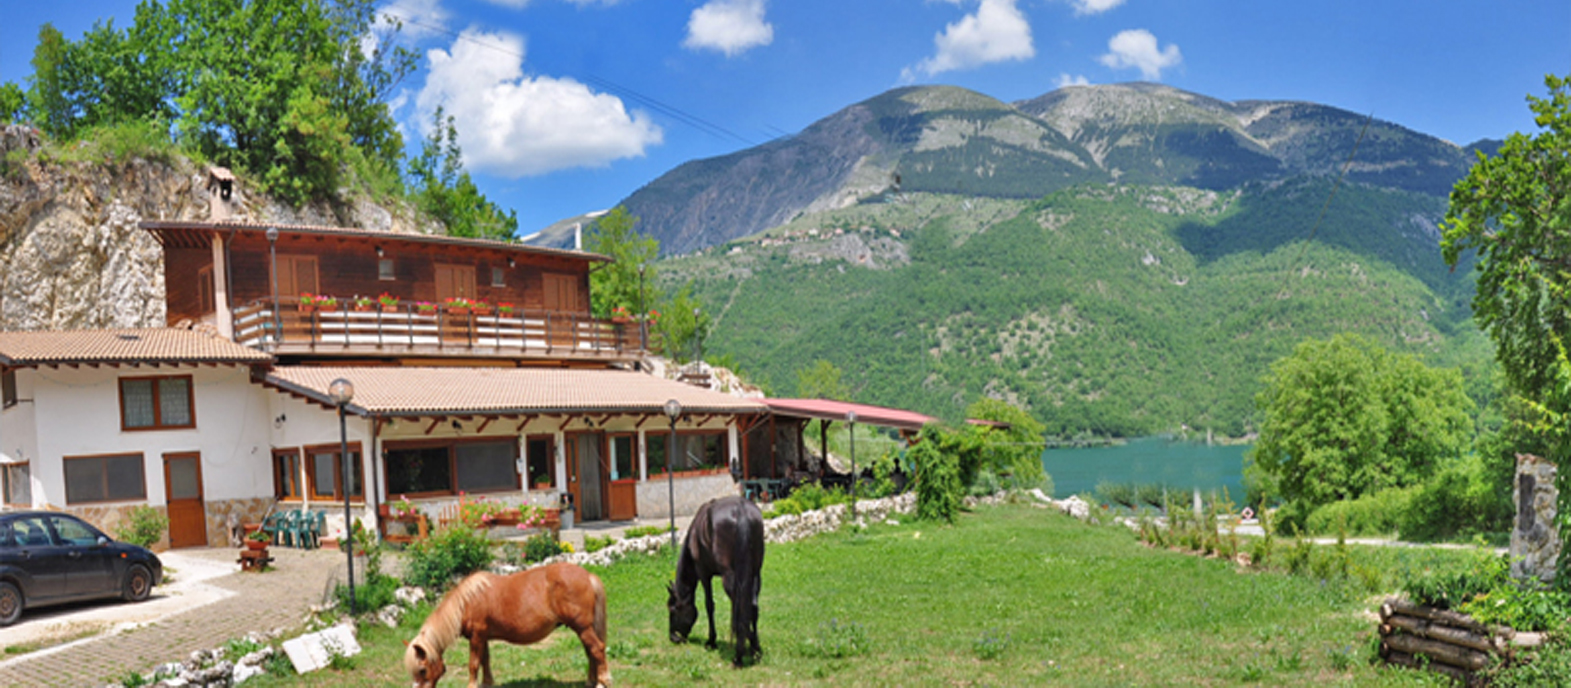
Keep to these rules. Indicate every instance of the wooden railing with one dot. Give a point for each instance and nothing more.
(410, 328)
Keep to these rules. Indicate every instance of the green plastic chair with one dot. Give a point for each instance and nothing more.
(273, 526)
(289, 533)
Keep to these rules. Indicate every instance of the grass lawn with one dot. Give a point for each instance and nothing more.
(1010, 595)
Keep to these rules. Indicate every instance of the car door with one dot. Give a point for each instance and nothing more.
(91, 567)
(39, 555)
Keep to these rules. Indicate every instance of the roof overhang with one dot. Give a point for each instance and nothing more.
(124, 348)
(826, 409)
(200, 235)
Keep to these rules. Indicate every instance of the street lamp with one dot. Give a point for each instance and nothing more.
(643, 314)
(851, 421)
(272, 252)
(342, 391)
(673, 409)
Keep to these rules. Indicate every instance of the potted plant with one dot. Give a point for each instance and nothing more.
(542, 482)
(307, 302)
(457, 305)
(389, 302)
(425, 308)
(621, 316)
(480, 307)
(364, 304)
(506, 309)
(326, 303)
(257, 540)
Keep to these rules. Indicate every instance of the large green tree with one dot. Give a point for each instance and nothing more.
(618, 284)
(443, 189)
(822, 380)
(1514, 210)
(1344, 417)
(1012, 447)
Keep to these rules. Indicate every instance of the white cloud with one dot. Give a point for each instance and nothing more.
(1083, 7)
(514, 125)
(729, 26)
(997, 32)
(421, 18)
(520, 4)
(1077, 80)
(1137, 48)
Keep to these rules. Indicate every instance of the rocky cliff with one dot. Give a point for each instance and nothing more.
(71, 253)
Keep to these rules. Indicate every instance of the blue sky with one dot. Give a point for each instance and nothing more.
(568, 106)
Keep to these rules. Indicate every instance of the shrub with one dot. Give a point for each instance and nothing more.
(595, 544)
(144, 526)
(541, 546)
(1151, 494)
(1550, 665)
(454, 550)
(1380, 513)
(1122, 494)
(1461, 500)
(373, 594)
(937, 479)
(1451, 589)
(645, 531)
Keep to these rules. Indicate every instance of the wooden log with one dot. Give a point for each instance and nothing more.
(1445, 616)
(1407, 660)
(1457, 656)
(1429, 629)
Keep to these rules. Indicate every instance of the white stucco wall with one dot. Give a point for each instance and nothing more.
(18, 428)
(77, 412)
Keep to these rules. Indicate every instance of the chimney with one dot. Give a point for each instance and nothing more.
(220, 192)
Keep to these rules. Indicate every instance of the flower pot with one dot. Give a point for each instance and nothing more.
(364, 309)
(256, 545)
(389, 309)
(542, 486)
(307, 309)
(482, 311)
(458, 311)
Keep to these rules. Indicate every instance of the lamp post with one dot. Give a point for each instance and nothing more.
(272, 253)
(673, 408)
(851, 421)
(342, 391)
(643, 313)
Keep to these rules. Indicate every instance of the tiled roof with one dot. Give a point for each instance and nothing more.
(504, 391)
(115, 347)
(836, 410)
(164, 229)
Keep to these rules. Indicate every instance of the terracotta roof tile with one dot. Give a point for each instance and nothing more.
(505, 391)
(159, 227)
(153, 345)
(836, 410)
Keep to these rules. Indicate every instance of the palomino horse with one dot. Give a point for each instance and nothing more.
(725, 539)
(522, 608)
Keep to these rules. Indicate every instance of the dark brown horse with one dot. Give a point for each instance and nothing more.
(522, 608)
(726, 539)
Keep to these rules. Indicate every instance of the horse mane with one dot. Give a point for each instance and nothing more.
(447, 620)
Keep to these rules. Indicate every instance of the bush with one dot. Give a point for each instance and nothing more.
(541, 546)
(454, 550)
(144, 526)
(595, 544)
(373, 594)
(1122, 494)
(937, 479)
(1460, 501)
(1548, 667)
(1380, 513)
(645, 531)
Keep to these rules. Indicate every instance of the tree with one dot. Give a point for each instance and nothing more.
(1343, 418)
(1015, 450)
(681, 325)
(12, 99)
(443, 189)
(619, 284)
(822, 380)
(46, 99)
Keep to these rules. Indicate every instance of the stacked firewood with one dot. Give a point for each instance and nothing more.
(1444, 641)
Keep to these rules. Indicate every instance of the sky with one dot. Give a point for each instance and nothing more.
(568, 106)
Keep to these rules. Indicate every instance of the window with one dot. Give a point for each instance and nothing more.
(384, 270)
(694, 451)
(541, 450)
(450, 467)
(204, 290)
(18, 480)
(286, 474)
(31, 531)
(324, 471)
(8, 388)
(104, 478)
(156, 403)
(498, 277)
(70, 531)
(624, 457)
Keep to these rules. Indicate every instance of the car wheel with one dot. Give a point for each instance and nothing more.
(10, 604)
(138, 583)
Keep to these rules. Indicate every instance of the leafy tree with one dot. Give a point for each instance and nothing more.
(935, 477)
(1015, 450)
(12, 99)
(681, 325)
(1343, 418)
(46, 99)
(442, 188)
(619, 283)
(822, 380)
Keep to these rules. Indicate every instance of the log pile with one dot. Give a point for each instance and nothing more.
(1445, 641)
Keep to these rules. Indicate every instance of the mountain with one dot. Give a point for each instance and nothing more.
(943, 139)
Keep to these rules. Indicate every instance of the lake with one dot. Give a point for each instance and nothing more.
(1158, 460)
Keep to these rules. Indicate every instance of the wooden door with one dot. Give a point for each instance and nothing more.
(586, 474)
(622, 488)
(455, 281)
(297, 275)
(561, 301)
(187, 512)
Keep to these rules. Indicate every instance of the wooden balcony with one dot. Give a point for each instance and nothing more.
(411, 330)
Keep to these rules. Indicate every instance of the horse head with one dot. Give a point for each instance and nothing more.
(425, 667)
(683, 614)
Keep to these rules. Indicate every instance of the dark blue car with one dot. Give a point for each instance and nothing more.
(51, 558)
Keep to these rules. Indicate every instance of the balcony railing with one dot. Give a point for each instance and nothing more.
(422, 329)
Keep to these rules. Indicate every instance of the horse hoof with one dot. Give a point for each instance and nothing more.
(711, 645)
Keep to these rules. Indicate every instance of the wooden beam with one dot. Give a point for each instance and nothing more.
(568, 420)
(432, 426)
(483, 426)
(646, 419)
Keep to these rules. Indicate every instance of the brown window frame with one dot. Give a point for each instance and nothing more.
(309, 486)
(141, 463)
(725, 448)
(390, 274)
(8, 392)
(158, 411)
(5, 483)
(299, 480)
(550, 461)
(498, 276)
(451, 444)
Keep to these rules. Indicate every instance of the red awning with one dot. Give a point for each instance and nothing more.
(825, 409)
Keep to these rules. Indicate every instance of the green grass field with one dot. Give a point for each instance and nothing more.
(1010, 595)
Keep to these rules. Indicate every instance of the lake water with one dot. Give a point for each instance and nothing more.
(1183, 465)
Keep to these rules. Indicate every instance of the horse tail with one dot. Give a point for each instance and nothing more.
(599, 606)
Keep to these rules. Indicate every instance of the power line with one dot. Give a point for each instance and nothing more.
(650, 102)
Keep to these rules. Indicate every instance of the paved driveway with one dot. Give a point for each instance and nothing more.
(209, 603)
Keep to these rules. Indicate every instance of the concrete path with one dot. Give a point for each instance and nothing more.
(208, 604)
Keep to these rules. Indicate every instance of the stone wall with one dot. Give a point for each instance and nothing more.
(690, 493)
(250, 510)
(1535, 543)
(109, 517)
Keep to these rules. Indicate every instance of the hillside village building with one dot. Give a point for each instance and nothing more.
(476, 365)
